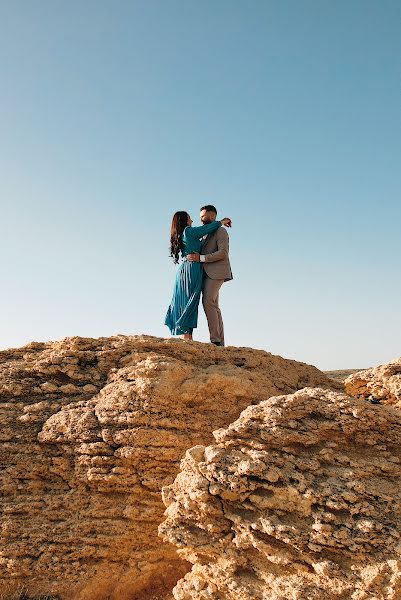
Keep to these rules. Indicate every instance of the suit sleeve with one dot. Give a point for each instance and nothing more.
(222, 247)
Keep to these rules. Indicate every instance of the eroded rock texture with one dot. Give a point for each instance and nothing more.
(91, 429)
(382, 383)
(299, 498)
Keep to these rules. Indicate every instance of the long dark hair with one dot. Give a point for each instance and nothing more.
(178, 224)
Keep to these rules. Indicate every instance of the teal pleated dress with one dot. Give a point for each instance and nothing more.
(182, 314)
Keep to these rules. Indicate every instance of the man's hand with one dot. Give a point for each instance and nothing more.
(194, 257)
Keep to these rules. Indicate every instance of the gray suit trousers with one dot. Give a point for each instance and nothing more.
(210, 301)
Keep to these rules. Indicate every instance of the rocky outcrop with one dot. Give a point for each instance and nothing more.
(299, 498)
(382, 384)
(91, 430)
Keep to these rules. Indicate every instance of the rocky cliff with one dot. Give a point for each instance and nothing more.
(91, 430)
(299, 498)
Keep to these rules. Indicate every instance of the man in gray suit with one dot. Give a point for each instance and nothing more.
(216, 270)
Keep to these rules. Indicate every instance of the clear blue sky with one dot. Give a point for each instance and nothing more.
(284, 114)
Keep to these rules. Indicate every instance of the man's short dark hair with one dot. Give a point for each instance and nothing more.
(209, 208)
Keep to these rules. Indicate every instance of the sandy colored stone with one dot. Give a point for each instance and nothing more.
(341, 374)
(91, 430)
(381, 383)
(298, 499)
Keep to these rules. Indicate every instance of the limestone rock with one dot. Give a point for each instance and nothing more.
(382, 383)
(299, 498)
(91, 430)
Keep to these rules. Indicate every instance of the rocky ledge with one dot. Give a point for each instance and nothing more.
(380, 384)
(92, 429)
(299, 498)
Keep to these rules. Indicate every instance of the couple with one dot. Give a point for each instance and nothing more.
(205, 267)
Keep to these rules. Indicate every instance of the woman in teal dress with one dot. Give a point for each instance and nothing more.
(182, 314)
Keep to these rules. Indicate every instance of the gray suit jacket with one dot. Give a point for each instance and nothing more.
(216, 248)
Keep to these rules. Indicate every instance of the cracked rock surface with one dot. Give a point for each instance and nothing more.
(382, 383)
(298, 499)
(91, 430)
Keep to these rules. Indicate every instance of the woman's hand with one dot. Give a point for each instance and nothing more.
(226, 222)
